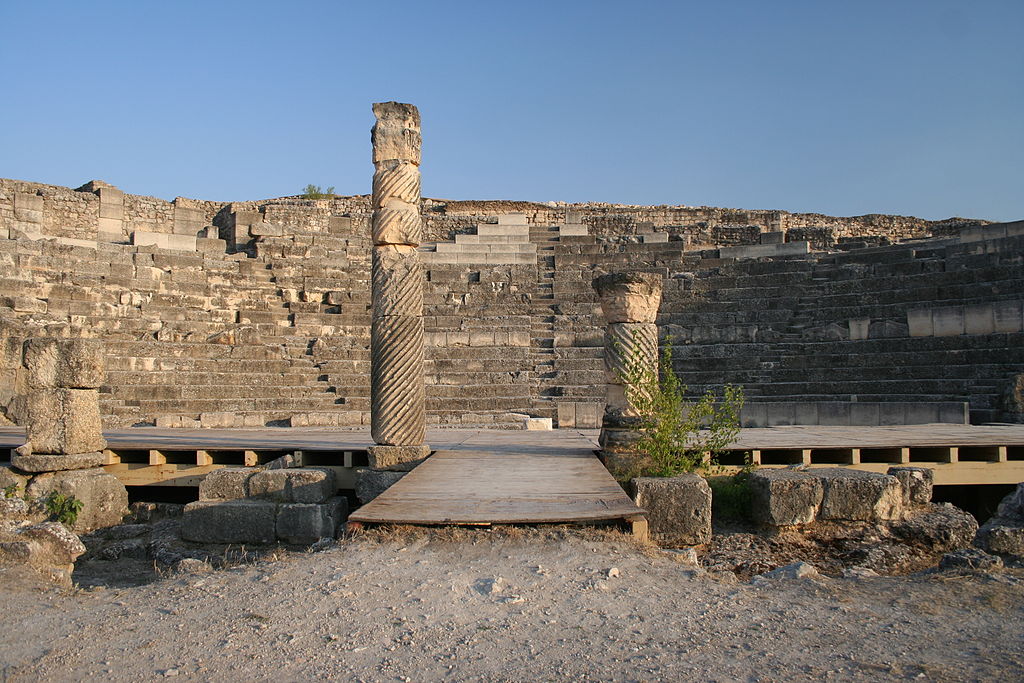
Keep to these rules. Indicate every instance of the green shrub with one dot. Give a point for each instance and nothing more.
(676, 434)
(63, 508)
(11, 491)
(314, 192)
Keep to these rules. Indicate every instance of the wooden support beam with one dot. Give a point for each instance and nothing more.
(203, 458)
(110, 457)
(755, 457)
(347, 459)
(805, 456)
(157, 457)
(251, 459)
(639, 528)
(854, 456)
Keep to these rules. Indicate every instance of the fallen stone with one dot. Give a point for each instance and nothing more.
(64, 421)
(687, 556)
(307, 523)
(190, 565)
(970, 558)
(785, 497)
(537, 424)
(397, 458)
(1005, 540)
(64, 363)
(1004, 532)
(56, 463)
(853, 495)
(227, 483)
(104, 498)
(940, 528)
(230, 521)
(797, 570)
(299, 485)
(916, 482)
(678, 508)
(372, 483)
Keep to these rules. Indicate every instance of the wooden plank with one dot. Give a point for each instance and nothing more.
(481, 487)
(203, 458)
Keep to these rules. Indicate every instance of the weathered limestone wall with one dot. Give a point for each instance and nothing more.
(258, 312)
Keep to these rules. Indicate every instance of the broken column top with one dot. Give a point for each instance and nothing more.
(396, 135)
(632, 297)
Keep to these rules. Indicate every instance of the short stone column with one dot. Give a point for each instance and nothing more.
(61, 415)
(630, 304)
(397, 401)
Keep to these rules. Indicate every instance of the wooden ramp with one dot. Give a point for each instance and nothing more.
(498, 478)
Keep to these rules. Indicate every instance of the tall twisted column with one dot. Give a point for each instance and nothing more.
(396, 342)
(630, 304)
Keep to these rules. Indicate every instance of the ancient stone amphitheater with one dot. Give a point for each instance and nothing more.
(257, 313)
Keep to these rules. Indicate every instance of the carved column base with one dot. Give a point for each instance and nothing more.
(397, 458)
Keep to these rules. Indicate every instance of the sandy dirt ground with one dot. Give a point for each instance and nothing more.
(513, 605)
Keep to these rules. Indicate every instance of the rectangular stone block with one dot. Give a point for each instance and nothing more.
(806, 414)
(754, 415)
(920, 413)
(570, 230)
(64, 421)
(512, 219)
(784, 497)
(397, 225)
(110, 229)
(588, 415)
(777, 237)
(566, 414)
(859, 328)
(397, 281)
(955, 413)
(230, 521)
(948, 321)
(298, 485)
(781, 414)
(188, 220)
(978, 319)
(765, 250)
(228, 483)
(396, 458)
(833, 413)
(1007, 317)
(864, 414)
(919, 321)
(64, 363)
(306, 523)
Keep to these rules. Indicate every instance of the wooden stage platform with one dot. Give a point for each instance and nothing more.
(504, 478)
(958, 454)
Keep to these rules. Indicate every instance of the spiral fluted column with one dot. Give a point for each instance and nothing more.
(396, 344)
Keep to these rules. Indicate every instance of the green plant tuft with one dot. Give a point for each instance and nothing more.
(63, 508)
(11, 491)
(677, 435)
(314, 192)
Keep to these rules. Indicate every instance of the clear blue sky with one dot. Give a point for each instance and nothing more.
(894, 106)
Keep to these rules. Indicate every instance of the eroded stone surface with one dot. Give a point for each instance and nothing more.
(64, 421)
(785, 497)
(917, 483)
(104, 498)
(230, 521)
(64, 363)
(37, 462)
(678, 508)
(300, 485)
(372, 483)
(632, 297)
(857, 495)
(397, 458)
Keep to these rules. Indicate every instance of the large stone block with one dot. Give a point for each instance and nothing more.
(104, 498)
(230, 521)
(298, 485)
(916, 483)
(309, 522)
(64, 421)
(228, 483)
(35, 462)
(785, 497)
(372, 483)
(397, 458)
(859, 496)
(678, 508)
(396, 180)
(64, 363)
